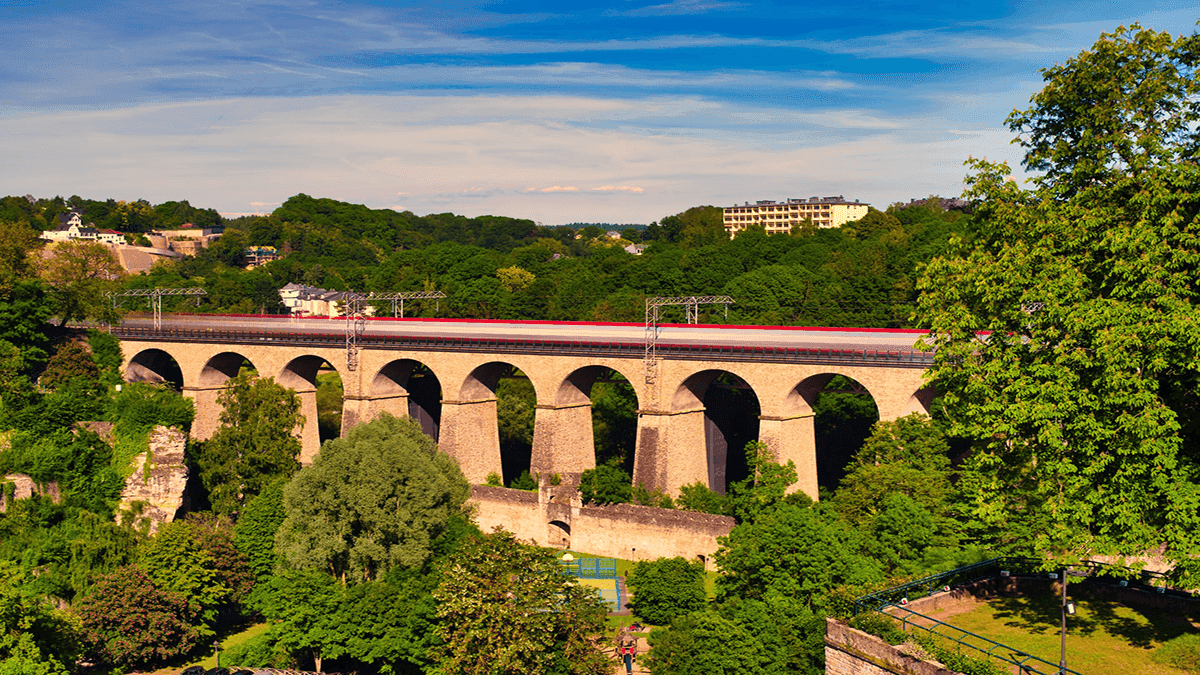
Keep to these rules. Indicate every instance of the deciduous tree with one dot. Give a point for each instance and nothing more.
(255, 443)
(373, 500)
(1065, 332)
(667, 588)
(79, 272)
(506, 609)
(130, 622)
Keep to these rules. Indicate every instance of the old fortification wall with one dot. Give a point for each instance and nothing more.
(852, 652)
(16, 486)
(553, 517)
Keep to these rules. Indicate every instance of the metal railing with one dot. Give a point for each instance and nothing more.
(893, 601)
(1024, 661)
(959, 576)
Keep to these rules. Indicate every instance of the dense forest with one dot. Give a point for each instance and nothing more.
(1064, 316)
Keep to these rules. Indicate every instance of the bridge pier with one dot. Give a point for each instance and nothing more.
(357, 409)
(470, 435)
(308, 433)
(793, 438)
(670, 450)
(562, 439)
(208, 412)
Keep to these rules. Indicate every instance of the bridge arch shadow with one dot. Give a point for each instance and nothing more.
(222, 367)
(731, 420)
(414, 390)
(844, 412)
(613, 404)
(155, 366)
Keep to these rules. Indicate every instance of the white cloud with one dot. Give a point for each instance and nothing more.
(479, 155)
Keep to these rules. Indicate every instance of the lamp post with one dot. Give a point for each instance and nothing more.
(217, 646)
(1067, 608)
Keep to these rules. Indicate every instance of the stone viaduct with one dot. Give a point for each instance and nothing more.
(671, 448)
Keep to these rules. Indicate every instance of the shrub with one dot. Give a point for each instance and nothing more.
(667, 588)
(880, 626)
(606, 484)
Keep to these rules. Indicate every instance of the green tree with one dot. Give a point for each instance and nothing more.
(78, 273)
(16, 240)
(505, 608)
(705, 643)
(255, 443)
(1064, 331)
(765, 488)
(197, 559)
(130, 622)
(254, 534)
(373, 500)
(907, 456)
(303, 608)
(1128, 105)
(667, 588)
(605, 484)
(71, 362)
(699, 497)
(797, 551)
(34, 639)
(106, 352)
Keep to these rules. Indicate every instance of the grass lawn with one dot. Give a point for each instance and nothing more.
(234, 640)
(1103, 637)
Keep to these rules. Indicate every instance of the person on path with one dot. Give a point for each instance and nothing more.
(627, 648)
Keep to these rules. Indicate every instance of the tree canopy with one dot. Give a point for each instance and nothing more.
(506, 609)
(375, 499)
(255, 443)
(1065, 330)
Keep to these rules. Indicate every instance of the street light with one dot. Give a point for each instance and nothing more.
(217, 646)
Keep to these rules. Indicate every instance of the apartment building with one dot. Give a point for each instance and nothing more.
(781, 216)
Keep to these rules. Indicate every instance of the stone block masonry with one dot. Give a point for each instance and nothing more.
(852, 652)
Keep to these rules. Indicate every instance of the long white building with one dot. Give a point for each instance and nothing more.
(779, 217)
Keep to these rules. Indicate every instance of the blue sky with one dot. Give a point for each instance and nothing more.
(620, 111)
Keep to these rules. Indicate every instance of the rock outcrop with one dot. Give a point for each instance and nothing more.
(155, 490)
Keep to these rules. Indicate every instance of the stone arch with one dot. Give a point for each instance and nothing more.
(834, 445)
(730, 409)
(221, 367)
(485, 447)
(408, 387)
(559, 534)
(482, 381)
(155, 366)
(570, 421)
(302, 374)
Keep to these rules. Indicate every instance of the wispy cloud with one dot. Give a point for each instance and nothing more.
(560, 188)
(677, 7)
(619, 188)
